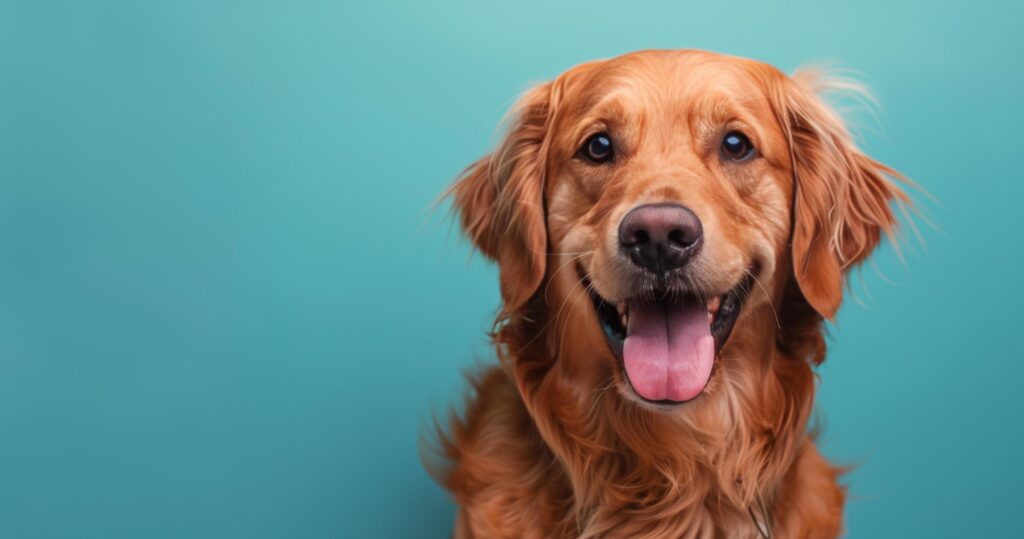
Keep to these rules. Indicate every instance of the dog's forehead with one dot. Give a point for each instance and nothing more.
(665, 80)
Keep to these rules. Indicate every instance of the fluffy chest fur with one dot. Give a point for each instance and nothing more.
(533, 457)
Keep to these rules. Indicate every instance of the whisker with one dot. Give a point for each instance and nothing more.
(565, 326)
(543, 329)
(547, 286)
(778, 323)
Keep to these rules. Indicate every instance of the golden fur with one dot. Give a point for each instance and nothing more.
(553, 443)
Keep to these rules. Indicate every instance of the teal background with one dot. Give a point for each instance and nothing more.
(227, 309)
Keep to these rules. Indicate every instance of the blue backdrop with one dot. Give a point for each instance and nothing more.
(226, 309)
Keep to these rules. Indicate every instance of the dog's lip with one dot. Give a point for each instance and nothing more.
(723, 311)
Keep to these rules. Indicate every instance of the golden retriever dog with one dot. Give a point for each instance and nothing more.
(672, 229)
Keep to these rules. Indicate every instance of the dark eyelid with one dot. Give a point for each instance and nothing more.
(589, 132)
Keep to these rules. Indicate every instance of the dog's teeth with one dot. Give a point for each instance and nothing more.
(713, 305)
(623, 309)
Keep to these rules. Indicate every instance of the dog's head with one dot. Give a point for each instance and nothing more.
(650, 206)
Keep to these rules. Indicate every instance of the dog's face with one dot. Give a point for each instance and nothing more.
(648, 204)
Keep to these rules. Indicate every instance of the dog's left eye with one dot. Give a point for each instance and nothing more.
(736, 146)
(598, 148)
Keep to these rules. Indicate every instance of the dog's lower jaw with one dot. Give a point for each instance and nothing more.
(602, 466)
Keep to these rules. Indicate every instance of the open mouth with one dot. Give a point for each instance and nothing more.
(668, 340)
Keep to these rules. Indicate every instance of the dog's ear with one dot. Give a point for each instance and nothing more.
(500, 199)
(842, 198)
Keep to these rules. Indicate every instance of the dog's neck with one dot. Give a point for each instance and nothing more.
(728, 449)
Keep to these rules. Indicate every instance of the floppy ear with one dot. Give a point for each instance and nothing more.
(841, 198)
(500, 200)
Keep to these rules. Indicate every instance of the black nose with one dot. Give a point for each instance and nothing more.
(660, 237)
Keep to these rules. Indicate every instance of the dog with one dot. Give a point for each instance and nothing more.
(672, 229)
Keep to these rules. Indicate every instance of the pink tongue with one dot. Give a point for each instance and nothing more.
(669, 350)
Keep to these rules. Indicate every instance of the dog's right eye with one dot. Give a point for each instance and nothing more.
(598, 148)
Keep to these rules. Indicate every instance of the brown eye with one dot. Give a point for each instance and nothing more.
(598, 148)
(736, 146)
